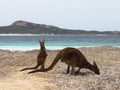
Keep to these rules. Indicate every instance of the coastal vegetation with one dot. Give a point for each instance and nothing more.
(24, 27)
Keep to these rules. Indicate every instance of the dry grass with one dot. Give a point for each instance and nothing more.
(107, 58)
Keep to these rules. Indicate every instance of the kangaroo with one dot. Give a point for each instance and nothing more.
(40, 58)
(74, 58)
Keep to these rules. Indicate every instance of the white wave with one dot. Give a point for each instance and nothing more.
(26, 48)
(28, 34)
(11, 34)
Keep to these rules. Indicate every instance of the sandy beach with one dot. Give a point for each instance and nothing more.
(107, 59)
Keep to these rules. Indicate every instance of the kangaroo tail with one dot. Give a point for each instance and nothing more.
(35, 67)
(34, 71)
(49, 68)
(52, 65)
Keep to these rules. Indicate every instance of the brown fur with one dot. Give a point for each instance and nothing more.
(74, 58)
(40, 58)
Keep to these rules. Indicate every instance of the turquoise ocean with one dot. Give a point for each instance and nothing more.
(56, 42)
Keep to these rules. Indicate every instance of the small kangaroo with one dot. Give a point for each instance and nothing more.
(40, 58)
(74, 58)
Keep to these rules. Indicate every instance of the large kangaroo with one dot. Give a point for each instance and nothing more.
(40, 58)
(74, 58)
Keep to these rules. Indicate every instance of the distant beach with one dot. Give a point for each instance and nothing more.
(28, 34)
(107, 59)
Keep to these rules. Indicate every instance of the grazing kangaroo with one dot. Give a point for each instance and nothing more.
(74, 58)
(40, 58)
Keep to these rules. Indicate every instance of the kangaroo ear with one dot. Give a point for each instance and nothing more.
(94, 63)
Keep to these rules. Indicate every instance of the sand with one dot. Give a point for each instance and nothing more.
(107, 59)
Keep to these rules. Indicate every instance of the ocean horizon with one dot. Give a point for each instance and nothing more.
(26, 42)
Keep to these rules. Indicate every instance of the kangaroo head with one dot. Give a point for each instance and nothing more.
(96, 69)
(42, 43)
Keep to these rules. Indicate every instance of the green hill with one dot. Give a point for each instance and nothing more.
(23, 27)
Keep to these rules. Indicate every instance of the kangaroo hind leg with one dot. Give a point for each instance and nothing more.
(77, 72)
(35, 67)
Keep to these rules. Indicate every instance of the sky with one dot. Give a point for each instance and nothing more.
(101, 15)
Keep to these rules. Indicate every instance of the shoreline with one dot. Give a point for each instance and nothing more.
(14, 48)
(29, 34)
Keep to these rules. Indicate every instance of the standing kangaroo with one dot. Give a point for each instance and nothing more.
(74, 58)
(40, 58)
